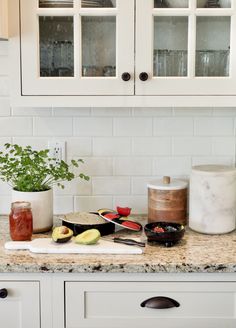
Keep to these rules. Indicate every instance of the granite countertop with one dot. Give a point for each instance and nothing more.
(194, 253)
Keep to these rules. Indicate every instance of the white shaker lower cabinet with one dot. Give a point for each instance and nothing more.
(19, 304)
(150, 304)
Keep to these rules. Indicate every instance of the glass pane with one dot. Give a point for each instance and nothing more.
(170, 46)
(56, 46)
(98, 3)
(170, 3)
(55, 3)
(213, 46)
(98, 46)
(213, 3)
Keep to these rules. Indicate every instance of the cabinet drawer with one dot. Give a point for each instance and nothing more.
(117, 304)
(19, 304)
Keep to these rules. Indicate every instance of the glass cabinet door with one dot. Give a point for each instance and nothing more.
(186, 47)
(77, 47)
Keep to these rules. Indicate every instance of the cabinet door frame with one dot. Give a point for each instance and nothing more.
(33, 84)
(176, 86)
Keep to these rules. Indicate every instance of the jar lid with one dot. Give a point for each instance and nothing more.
(213, 169)
(20, 205)
(166, 183)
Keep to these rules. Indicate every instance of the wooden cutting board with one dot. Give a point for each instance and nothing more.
(46, 245)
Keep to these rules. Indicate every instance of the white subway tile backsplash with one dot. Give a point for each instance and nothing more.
(5, 109)
(4, 86)
(16, 126)
(132, 166)
(37, 143)
(137, 203)
(4, 48)
(71, 112)
(183, 146)
(223, 146)
(139, 185)
(213, 126)
(155, 146)
(132, 126)
(192, 111)
(114, 146)
(5, 188)
(93, 126)
(152, 112)
(75, 187)
(4, 65)
(29, 111)
(78, 147)
(97, 166)
(111, 112)
(111, 185)
(92, 203)
(52, 126)
(173, 166)
(173, 126)
(224, 111)
(63, 205)
(5, 204)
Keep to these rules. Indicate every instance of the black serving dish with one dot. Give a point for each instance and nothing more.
(168, 238)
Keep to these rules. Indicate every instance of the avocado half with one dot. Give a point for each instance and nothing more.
(61, 234)
(88, 237)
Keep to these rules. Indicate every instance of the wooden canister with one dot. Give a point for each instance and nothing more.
(167, 200)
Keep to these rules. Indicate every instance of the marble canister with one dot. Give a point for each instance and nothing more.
(212, 199)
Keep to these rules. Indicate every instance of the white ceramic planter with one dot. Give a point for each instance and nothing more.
(42, 207)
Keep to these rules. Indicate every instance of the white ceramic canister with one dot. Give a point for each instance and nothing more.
(212, 199)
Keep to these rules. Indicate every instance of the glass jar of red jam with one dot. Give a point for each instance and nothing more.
(21, 221)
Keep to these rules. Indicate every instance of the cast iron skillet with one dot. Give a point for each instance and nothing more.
(105, 228)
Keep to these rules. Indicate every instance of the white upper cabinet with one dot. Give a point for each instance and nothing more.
(77, 47)
(3, 19)
(123, 52)
(186, 47)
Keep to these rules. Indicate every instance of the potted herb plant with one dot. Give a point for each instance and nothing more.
(32, 175)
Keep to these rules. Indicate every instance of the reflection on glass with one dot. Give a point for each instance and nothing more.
(55, 3)
(212, 46)
(98, 3)
(170, 3)
(56, 46)
(213, 3)
(170, 46)
(98, 46)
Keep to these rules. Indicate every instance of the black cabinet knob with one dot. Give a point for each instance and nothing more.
(126, 76)
(3, 293)
(160, 302)
(143, 76)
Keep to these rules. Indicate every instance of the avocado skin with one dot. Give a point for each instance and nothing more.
(59, 237)
(88, 237)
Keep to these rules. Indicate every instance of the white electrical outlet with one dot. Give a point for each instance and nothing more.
(57, 150)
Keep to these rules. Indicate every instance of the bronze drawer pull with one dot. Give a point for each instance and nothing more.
(160, 302)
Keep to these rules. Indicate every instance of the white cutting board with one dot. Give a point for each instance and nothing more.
(46, 245)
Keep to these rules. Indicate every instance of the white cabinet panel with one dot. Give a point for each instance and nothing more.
(118, 304)
(21, 308)
(185, 51)
(77, 50)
